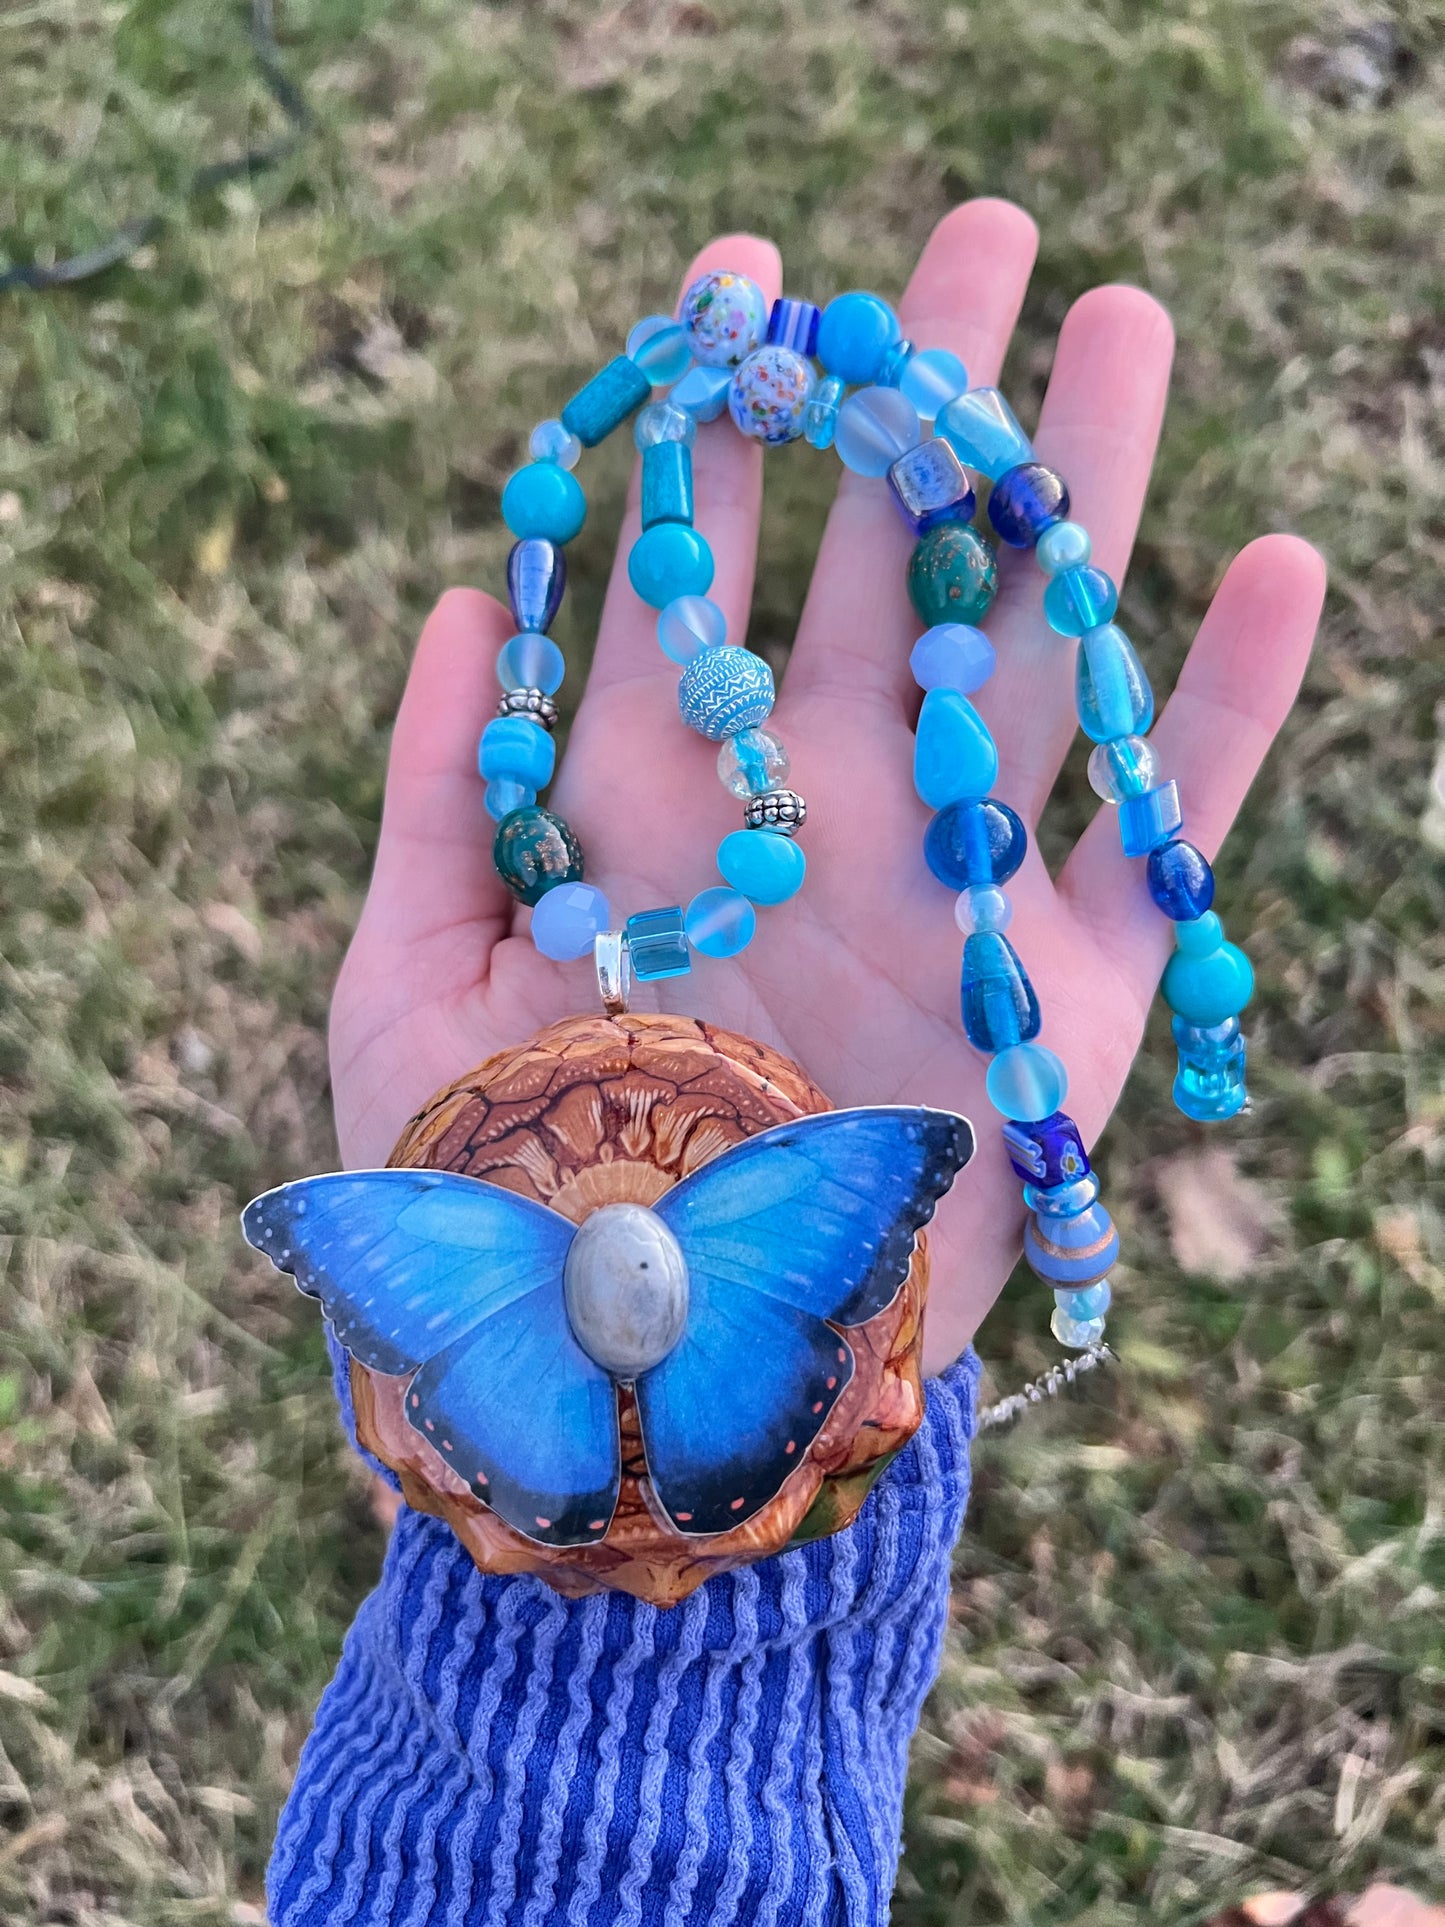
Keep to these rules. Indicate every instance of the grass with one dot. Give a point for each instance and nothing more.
(1197, 1634)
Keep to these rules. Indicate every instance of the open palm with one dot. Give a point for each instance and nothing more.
(857, 977)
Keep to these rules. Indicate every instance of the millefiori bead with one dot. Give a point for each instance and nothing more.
(894, 362)
(1125, 766)
(929, 487)
(505, 794)
(536, 580)
(690, 623)
(551, 442)
(1025, 501)
(569, 919)
(534, 850)
(1073, 1252)
(1079, 599)
(661, 349)
(752, 762)
(663, 421)
(820, 417)
(531, 661)
(517, 747)
(998, 1001)
(855, 334)
(982, 906)
(952, 655)
(952, 575)
(657, 944)
(969, 843)
(720, 922)
(1027, 1081)
(1207, 979)
(666, 483)
(984, 432)
(1180, 880)
(668, 561)
(1064, 545)
(794, 324)
(1048, 1151)
(765, 867)
(770, 394)
(1209, 1084)
(1111, 691)
(609, 398)
(726, 317)
(544, 500)
(931, 379)
(875, 426)
(954, 758)
(725, 690)
(703, 392)
(1149, 820)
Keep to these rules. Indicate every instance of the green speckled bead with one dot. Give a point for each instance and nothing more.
(534, 849)
(953, 575)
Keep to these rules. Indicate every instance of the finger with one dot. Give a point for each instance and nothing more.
(727, 474)
(1239, 681)
(858, 625)
(1099, 428)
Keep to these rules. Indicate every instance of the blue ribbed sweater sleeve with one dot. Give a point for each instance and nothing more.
(490, 1754)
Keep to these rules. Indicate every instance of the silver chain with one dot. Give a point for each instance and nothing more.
(1048, 1385)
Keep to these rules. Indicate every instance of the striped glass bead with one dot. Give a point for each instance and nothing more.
(794, 324)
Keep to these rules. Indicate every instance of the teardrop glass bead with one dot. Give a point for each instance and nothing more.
(999, 1005)
(1111, 691)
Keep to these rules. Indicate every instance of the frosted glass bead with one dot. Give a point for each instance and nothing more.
(765, 867)
(952, 655)
(1078, 1335)
(515, 746)
(1111, 691)
(663, 421)
(531, 662)
(657, 944)
(982, 907)
(894, 362)
(998, 1002)
(668, 561)
(726, 318)
(543, 499)
(1072, 1252)
(666, 483)
(568, 920)
(1079, 599)
(1025, 501)
(820, 417)
(536, 580)
(660, 348)
(1209, 1084)
(720, 922)
(770, 394)
(688, 624)
(954, 757)
(1206, 987)
(505, 794)
(752, 761)
(1151, 819)
(723, 691)
(1124, 766)
(1048, 1153)
(929, 486)
(1092, 1302)
(1027, 1082)
(874, 428)
(703, 392)
(952, 575)
(1067, 545)
(985, 432)
(931, 379)
(551, 442)
(794, 324)
(855, 334)
(969, 843)
(534, 850)
(1180, 880)
(609, 398)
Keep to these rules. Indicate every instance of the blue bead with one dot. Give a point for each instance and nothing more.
(703, 392)
(751, 762)
(975, 843)
(515, 746)
(1180, 880)
(536, 579)
(1091, 1302)
(1209, 1084)
(794, 324)
(688, 625)
(874, 428)
(663, 421)
(720, 922)
(1111, 690)
(505, 794)
(1025, 501)
(998, 1001)
(764, 866)
(820, 417)
(952, 655)
(669, 561)
(660, 348)
(551, 442)
(894, 362)
(929, 486)
(657, 944)
(1079, 599)
(855, 334)
(723, 691)
(609, 398)
(531, 661)
(666, 483)
(1149, 820)
(1206, 988)
(1063, 1200)
(954, 758)
(1027, 1081)
(1073, 1252)
(1064, 545)
(544, 500)
(931, 379)
(569, 920)
(985, 432)
(1048, 1151)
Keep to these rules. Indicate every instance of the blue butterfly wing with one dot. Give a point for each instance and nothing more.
(460, 1282)
(810, 1221)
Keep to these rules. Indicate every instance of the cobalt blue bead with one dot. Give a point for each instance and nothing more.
(657, 944)
(954, 756)
(1027, 1081)
(929, 486)
(568, 921)
(531, 661)
(703, 392)
(720, 922)
(1080, 599)
(1149, 819)
(666, 483)
(975, 843)
(1025, 501)
(794, 324)
(515, 746)
(544, 500)
(1111, 691)
(998, 1001)
(984, 432)
(1209, 1084)
(536, 579)
(764, 866)
(952, 655)
(1072, 1252)
(1048, 1151)
(1180, 880)
(723, 691)
(667, 561)
(609, 398)
(855, 334)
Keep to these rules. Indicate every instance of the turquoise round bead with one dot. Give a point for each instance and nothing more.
(854, 335)
(668, 561)
(1027, 1082)
(1079, 599)
(764, 866)
(1200, 936)
(720, 922)
(544, 499)
(1064, 546)
(954, 757)
(515, 746)
(1209, 988)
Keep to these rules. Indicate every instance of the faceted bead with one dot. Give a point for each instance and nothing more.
(929, 486)
(751, 762)
(669, 561)
(726, 317)
(999, 1005)
(1206, 988)
(1111, 691)
(855, 334)
(534, 850)
(1047, 1151)
(1209, 1084)
(551, 442)
(1064, 545)
(770, 394)
(725, 690)
(609, 398)
(894, 362)
(952, 655)
(1078, 1335)
(1125, 766)
(666, 483)
(688, 624)
(505, 794)
(661, 349)
(1027, 1081)
(1025, 501)
(969, 843)
(982, 906)
(1073, 1252)
(765, 867)
(703, 392)
(720, 922)
(515, 746)
(952, 575)
(875, 426)
(954, 757)
(931, 379)
(820, 417)
(531, 661)
(1079, 599)
(1180, 880)
(536, 580)
(663, 421)
(984, 432)
(1151, 819)
(1091, 1302)
(794, 324)
(657, 944)
(568, 921)
(1065, 1200)
(544, 500)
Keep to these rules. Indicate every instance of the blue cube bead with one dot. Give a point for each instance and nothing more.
(667, 561)
(720, 922)
(666, 483)
(608, 399)
(763, 865)
(536, 579)
(794, 324)
(985, 432)
(820, 417)
(1048, 1151)
(544, 500)
(568, 921)
(854, 336)
(998, 1001)
(657, 944)
(530, 661)
(874, 427)
(1025, 501)
(1072, 1252)
(703, 392)
(952, 655)
(1080, 599)
(1111, 690)
(515, 746)
(970, 843)
(931, 379)
(954, 756)
(1180, 880)
(1209, 1084)
(929, 486)
(723, 691)
(1027, 1081)
(1150, 819)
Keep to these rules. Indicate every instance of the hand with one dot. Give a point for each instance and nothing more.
(857, 977)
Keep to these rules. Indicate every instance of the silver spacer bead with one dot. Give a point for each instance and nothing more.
(535, 703)
(781, 810)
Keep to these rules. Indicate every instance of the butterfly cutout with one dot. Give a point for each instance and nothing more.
(786, 1236)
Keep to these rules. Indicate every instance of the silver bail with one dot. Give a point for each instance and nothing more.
(614, 971)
